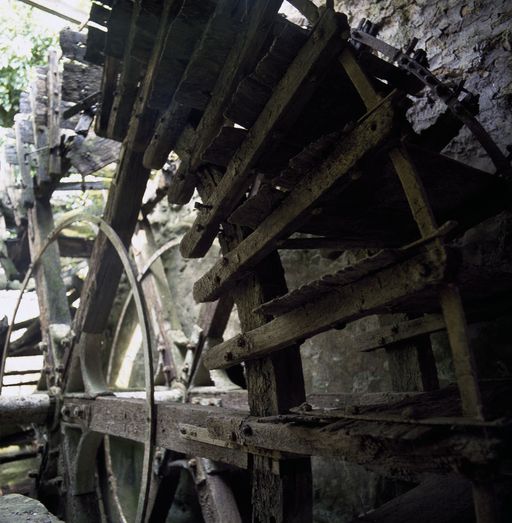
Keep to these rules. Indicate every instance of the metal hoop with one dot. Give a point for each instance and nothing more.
(112, 236)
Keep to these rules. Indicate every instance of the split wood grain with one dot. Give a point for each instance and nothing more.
(369, 134)
(325, 41)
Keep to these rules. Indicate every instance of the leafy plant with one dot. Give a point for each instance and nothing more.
(24, 42)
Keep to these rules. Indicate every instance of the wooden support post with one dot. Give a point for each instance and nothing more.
(412, 366)
(111, 69)
(39, 117)
(275, 384)
(22, 151)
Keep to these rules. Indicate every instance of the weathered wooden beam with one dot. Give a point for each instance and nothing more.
(54, 97)
(82, 105)
(253, 33)
(369, 134)
(145, 18)
(399, 330)
(371, 294)
(39, 117)
(111, 70)
(325, 41)
(198, 80)
(381, 438)
(22, 150)
(184, 33)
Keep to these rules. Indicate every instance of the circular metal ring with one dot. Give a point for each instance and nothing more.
(110, 233)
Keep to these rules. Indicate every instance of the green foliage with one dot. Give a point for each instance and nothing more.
(24, 42)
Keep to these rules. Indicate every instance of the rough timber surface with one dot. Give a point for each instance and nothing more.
(419, 434)
(370, 133)
(183, 34)
(251, 41)
(323, 43)
(140, 38)
(90, 154)
(197, 82)
(372, 294)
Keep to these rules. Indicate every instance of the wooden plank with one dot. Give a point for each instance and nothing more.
(345, 276)
(399, 331)
(111, 69)
(369, 133)
(54, 97)
(198, 80)
(324, 42)
(145, 19)
(254, 91)
(83, 105)
(22, 151)
(92, 153)
(255, 26)
(379, 437)
(184, 33)
(369, 295)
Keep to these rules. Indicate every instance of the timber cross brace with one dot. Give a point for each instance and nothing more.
(286, 135)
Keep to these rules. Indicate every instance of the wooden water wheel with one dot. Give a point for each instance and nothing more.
(295, 137)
